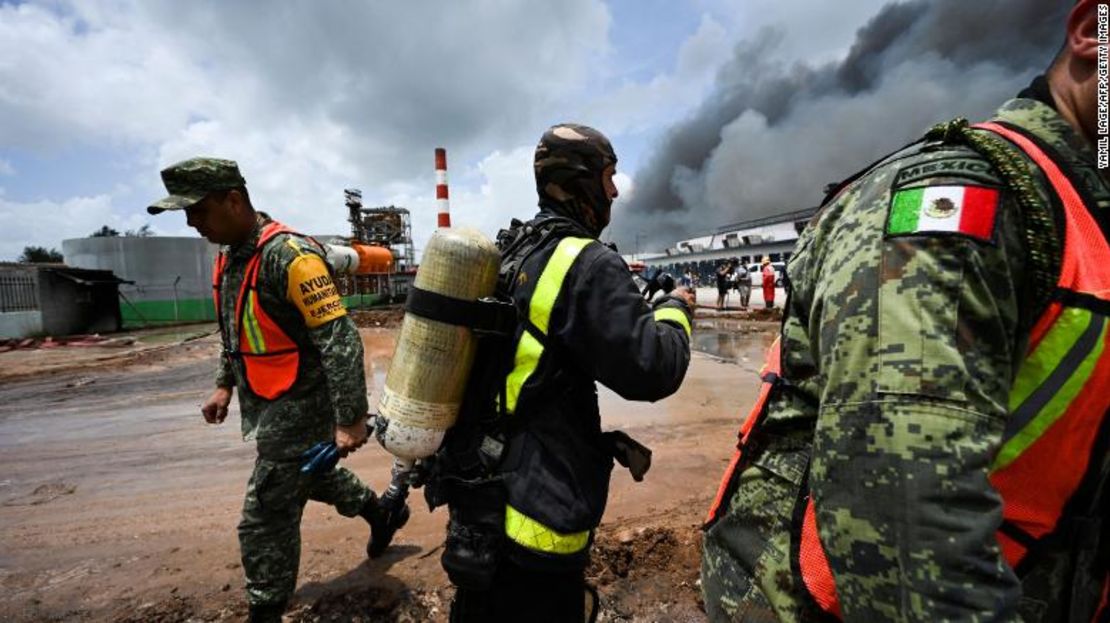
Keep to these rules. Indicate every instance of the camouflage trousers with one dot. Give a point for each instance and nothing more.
(746, 572)
(745, 292)
(270, 527)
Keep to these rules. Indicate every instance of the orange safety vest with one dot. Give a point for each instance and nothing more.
(1058, 405)
(270, 357)
(769, 375)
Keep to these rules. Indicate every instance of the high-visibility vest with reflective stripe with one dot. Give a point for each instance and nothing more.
(769, 375)
(529, 348)
(675, 315)
(522, 529)
(534, 535)
(1059, 401)
(270, 357)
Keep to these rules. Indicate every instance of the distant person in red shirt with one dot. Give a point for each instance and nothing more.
(768, 282)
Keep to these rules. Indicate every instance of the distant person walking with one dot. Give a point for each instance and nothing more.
(768, 282)
(743, 285)
(723, 272)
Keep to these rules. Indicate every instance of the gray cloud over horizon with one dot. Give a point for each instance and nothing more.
(309, 97)
(771, 134)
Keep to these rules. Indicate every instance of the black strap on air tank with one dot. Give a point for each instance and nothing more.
(487, 315)
(490, 314)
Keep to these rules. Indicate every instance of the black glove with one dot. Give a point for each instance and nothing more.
(629, 453)
(666, 282)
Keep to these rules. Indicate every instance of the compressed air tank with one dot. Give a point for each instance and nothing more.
(426, 380)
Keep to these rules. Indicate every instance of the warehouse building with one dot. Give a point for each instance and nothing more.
(53, 299)
(749, 241)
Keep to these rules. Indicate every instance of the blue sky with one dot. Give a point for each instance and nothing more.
(312, 97)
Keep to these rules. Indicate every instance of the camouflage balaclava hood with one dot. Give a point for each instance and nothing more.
(569, 161)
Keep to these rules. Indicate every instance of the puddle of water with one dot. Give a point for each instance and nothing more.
(167, 338)
(171, 334)
(736, 344)
(378, 345)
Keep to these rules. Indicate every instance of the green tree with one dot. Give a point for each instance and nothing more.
(40, 254)
(142, 232)
(104, 232)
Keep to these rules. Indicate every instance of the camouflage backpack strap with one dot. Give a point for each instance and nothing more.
(1038, 222)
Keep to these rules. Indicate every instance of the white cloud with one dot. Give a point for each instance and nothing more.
(89, 77)
(400, 78)
(38, 224)
(6, 167)
(309, 98)
(639, 106)
(624, 186)
(312, 98)
(294, 172)
(504, 189)
(811, 32)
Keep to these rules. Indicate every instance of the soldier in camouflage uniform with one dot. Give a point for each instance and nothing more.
(900, 349)
(326, 399)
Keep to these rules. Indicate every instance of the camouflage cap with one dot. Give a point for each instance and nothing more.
(189, 181)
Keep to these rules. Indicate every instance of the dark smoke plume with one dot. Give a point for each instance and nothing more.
(770, 136)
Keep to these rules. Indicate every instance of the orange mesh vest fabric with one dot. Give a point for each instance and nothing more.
(270, 357)
(1060, 398)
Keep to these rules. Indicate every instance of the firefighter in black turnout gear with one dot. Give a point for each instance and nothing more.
(525, 471)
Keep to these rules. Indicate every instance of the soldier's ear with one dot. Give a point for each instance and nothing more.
(1083, 31)
(238, 203)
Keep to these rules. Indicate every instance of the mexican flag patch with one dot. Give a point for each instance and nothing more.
(966, 210)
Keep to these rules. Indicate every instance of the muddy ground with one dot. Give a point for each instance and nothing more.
(117, 503)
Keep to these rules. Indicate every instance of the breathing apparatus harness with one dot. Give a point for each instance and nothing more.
(474, 447)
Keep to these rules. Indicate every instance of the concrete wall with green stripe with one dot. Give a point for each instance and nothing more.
(140, 313)
(172, 277)
(362, 301)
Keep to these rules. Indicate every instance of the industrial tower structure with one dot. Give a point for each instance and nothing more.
(388, 227)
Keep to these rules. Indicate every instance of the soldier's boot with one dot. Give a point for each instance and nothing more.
(386, 515)
(266, 613)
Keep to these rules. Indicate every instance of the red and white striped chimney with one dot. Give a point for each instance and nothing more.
(441, 188)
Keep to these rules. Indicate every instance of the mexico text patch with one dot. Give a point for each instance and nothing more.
(312, 291)
(964, 210)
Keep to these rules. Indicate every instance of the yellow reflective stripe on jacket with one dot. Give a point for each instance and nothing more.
(529, 349)
(536, 536)
(551, 280)
(293, 244)
(1046, 357)
(250, 325)
(1051, 378)
(528, 352)
(673, 314)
